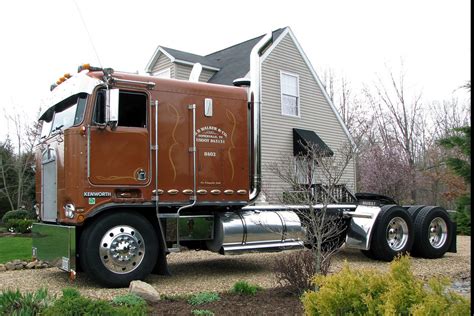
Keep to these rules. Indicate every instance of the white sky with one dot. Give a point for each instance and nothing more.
(42, 40)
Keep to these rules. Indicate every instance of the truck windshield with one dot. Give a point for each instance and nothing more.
(65, 114)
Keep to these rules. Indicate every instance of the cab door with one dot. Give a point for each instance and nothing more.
(120, 155)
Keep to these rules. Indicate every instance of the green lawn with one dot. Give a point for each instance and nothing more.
(15, 248)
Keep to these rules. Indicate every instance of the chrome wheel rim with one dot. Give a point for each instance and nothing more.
(397, 233)
(438, 232)
(122, 249)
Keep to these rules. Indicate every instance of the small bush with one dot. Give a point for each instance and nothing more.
(369, 292)
(203, 298)
(175, 297)
(127, 303)
(244, 288)
(72, 303)
(17, 214)
(129, 299)
(70, 292)
(202, 312)
(19, 225)
(294, 271)
(15, 303)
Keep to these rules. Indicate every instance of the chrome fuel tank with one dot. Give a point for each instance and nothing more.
(255, 230)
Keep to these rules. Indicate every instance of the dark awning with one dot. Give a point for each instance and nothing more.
(304, 139)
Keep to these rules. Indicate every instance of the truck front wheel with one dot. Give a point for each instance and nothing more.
(118, 248)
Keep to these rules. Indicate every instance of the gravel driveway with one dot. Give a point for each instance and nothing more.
(195, 271)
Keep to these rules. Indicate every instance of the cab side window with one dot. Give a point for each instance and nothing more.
(132, 109)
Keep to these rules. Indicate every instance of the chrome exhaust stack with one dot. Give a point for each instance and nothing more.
(256, 114)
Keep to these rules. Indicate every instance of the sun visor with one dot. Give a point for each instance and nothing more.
(79, 83)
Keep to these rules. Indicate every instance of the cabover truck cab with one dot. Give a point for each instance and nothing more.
(130, 168)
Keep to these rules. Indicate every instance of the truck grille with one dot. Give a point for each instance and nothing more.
(49, 186)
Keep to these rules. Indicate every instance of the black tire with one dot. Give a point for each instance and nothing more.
(414, 210)
(118, 248)
(433, 232)
(368, 254)
(393, 233)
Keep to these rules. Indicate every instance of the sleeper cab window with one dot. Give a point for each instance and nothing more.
(290, 94)
(132, 109)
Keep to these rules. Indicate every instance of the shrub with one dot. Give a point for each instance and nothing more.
(203, 298)
(78, 305)
(370, 292)
(129, 299)
(244, 288)
(202, 312)
(15, 303)
(129, 304)
(175, 297)
(72, 303)
(294, 271)
(19, 225)
(17, 214)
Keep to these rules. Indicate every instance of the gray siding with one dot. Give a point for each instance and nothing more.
(162, 63)
(315, 114)
(183, 72)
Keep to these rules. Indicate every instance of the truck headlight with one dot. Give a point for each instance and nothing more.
(69, 210)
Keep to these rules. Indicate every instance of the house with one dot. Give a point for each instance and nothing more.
(294, 104)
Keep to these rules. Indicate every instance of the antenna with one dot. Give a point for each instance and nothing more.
(87, 31)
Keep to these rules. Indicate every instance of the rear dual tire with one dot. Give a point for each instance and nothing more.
(433, 232)
(423, 231)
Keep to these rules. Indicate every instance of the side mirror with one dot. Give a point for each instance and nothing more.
(112, 107)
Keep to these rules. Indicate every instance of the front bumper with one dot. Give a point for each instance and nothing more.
(55, 244)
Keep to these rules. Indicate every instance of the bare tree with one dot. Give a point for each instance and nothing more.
(313, 180)
(353, 112)
(20, 162)
(398, 117)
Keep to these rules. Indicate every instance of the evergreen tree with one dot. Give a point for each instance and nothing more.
(460, 163)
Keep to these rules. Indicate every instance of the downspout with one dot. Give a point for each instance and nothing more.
(256, 102)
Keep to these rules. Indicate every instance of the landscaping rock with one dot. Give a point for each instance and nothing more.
(10, 266)
(145, 291)
(2, 267)
(31, 265)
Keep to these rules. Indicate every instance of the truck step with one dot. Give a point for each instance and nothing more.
(175, 248)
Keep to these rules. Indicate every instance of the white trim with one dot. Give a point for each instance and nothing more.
(313, 72)
(184, 62)
(298, 104)
(159, 50)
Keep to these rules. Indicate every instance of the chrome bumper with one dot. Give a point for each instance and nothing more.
(55, 244)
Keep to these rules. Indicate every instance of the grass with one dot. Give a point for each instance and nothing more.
(15, 248)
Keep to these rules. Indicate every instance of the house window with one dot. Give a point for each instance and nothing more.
(165, 73)
(290, 94)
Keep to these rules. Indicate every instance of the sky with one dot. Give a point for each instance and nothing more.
(358, 40)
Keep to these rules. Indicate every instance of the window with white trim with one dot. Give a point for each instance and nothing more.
(165, 73)
(290, 94)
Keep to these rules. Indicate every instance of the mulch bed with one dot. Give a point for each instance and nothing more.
(265, 302)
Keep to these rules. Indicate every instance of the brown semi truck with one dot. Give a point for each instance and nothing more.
(130, 168)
